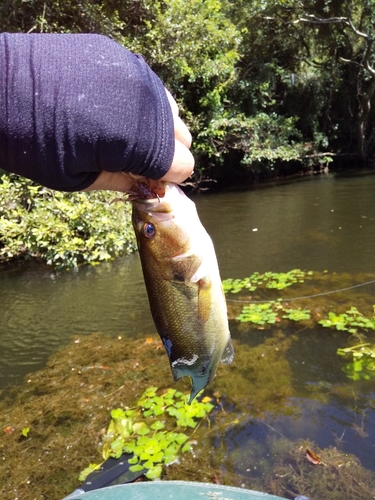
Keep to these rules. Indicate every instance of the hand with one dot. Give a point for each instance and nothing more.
(182, 165)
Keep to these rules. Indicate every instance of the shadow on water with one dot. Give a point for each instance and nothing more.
(286, 390)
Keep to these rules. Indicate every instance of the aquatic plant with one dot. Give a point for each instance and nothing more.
(362, 365)
(152, 441)
(260, 314)
(267, 312)
(271, 280)
(350, 321)
(296, 314)
(302, 467)
(25, 431)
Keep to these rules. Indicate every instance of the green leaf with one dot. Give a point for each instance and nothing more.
(136, 468)
(154, 472)
(117, 447)
(130, 430)
(83, 475)
(118, 413)
(129, 447)
(181, 438)
(157, 425)
(25, 431)
(142, 440)
(141, 429)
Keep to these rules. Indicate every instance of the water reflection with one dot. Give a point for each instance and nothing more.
(320, 223)
(42, 310)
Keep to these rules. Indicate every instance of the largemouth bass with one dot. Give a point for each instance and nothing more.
(184, 287)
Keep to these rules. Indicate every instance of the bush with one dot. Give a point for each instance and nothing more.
(61, 229)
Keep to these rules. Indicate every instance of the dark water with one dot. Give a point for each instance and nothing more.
(323, 223)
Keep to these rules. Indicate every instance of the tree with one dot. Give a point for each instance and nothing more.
(338, 39)
(362, 59)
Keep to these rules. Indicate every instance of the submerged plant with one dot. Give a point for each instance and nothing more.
(362, 365)
(151, 431)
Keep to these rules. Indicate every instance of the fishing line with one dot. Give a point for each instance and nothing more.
(306, 296)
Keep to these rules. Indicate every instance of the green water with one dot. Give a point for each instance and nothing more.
(299, 393)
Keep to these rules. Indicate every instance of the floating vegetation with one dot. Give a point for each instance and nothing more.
(151, 431)
(259, 314)
(362, 366)
(271, 312)
(268, 312)
(296, 314)
(53, 424)
(350, 321)
(271, 280)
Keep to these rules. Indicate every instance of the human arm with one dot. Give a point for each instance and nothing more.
(182, 165)
(78, 110)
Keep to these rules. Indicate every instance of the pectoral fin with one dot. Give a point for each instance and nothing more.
(204, 299)
(228, 353)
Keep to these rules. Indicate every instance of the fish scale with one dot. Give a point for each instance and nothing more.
(184, 287)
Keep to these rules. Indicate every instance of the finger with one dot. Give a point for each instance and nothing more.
(182, 165)
(181, 132)
(172, 102)
(111, 181)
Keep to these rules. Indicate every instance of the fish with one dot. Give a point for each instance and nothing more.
(183, 283)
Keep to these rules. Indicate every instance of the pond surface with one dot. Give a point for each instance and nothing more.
(324, 223)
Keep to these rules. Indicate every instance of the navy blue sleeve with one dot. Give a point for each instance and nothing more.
(73, 105)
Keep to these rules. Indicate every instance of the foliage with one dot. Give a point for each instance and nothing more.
(296, 314)
(193, 42)
(151, 431)
(362, 365)
(277, 281)
(264, 137)
(255, 83)
(61, 229)
(350, 321)
(259, 314)
(263, 82)
(194, 47)
(267, 312)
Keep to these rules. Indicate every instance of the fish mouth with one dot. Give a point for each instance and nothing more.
(160, 209)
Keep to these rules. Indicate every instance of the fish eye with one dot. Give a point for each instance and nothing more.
(148, 230)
